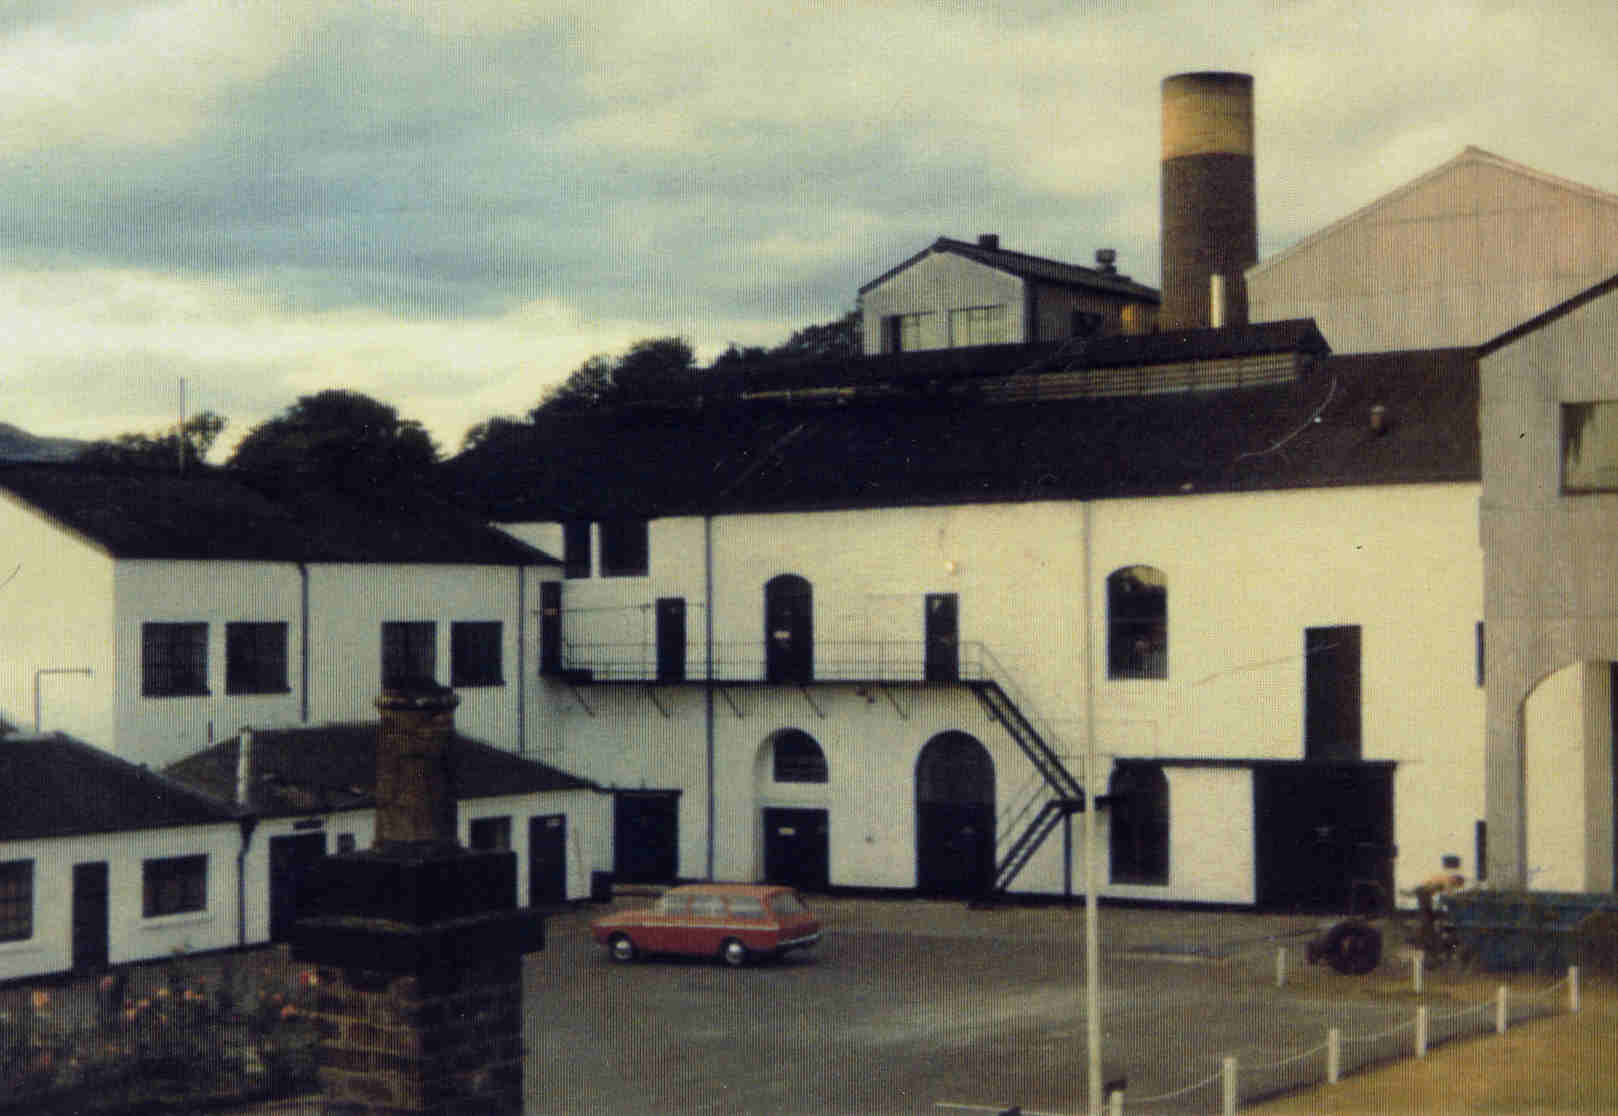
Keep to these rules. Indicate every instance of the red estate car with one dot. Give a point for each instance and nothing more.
(734, 922)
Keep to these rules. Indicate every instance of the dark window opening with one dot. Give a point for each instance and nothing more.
(1332, 693)
(409, 654)
(256, 658)
(346, 843)
(1590, 447)
(1084, 323)
(474, 653)
(624, 548)
(16, 900)
(174, 660)
(1139, 824)
(1481, 675)
(798, 758)
(576, 549)
(174, 885)
(1137, 623)
(490, 834)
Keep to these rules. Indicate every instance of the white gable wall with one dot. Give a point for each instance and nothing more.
(935, 285)
(56, 612)
(1456, 258)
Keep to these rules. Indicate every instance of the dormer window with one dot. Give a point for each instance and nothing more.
(1590, 447)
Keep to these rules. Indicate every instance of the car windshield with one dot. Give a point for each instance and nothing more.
(786, 903)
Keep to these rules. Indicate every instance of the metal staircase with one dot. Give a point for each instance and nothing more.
(1059, 796)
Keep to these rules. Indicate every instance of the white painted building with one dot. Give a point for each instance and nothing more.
(103, 862)
(153, 614)
(1465, 252)
(1214, 549)
(954, 294)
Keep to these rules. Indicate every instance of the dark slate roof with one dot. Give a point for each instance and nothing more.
(1022, 264)
(926, 440)
(58, 787)
(325, 768)
(213, 514)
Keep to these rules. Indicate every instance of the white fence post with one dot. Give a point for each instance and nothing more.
(1281, 967)
(1334, 1056)
(1500, 1012)
(1421, 1031)
(1115, 1103)
(1229, 1074)
(1417, 963)
(1573, 989)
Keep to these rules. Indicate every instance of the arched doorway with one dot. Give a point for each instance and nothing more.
(789, 632)
(954, 816)
(791, 781)
(1570, 777)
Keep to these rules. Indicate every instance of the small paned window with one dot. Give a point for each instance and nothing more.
(1137, 623)
(576, 549)
(490, 833)
(474, 653)
(174, 885)
(1139, 827)
(174, 660)
(16, 900)
(978, 325)
(625, 550)
(256, 658)
(1590, 447)
(798, 759)
(409, 653)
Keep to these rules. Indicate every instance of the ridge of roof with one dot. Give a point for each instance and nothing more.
(1469, 155)
(1025, 265)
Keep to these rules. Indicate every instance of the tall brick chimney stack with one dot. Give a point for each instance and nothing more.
(415, 784)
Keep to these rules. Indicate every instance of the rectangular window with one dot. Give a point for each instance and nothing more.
(474, 653)
(174, 885)
(1590, 447)
(624, 548)
(409, 653)
(256, 658)
(16, 900)
(901, 333)
(173, 660)
(490, 833)
(1332, 693)
(1482, 677)
(978, 325)
(576, 549)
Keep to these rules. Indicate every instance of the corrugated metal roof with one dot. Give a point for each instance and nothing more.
(58, 787)
(212, 514)
(324, 768)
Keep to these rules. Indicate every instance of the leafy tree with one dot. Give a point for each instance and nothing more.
(491, 432)
(604, 381)
(340, 440)
(185, 446)
(827, 341)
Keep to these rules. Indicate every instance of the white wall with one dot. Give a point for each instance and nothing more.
(132, 937)
(56, 612)
(937, 284)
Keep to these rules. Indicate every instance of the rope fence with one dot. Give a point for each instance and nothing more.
(1247, 1080)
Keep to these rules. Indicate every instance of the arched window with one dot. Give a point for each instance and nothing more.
(1139, 827)
(798, 758)
(1137, 623)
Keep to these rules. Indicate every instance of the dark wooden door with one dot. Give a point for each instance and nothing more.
(1332, 693)
(1325, 835)
(646, 836)
(292, 858)
(797, 847)
(550, 627)
(955, 824)
(90, 911)
(789, 634)
(547, 859)
(943, 636)
(671, 639)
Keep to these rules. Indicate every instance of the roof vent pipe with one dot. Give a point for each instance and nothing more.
(1107, 261)
(244, 766)
(990, 241)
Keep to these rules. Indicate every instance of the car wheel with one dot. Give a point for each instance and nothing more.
(621, 948)
(733, 952)
(1353, 948)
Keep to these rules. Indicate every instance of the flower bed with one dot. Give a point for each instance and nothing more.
(192, 1040)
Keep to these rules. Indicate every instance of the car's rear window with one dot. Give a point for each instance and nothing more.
(674, 904)
(746, 906)
(786, 903)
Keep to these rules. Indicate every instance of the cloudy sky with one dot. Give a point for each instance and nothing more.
(449, 204)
